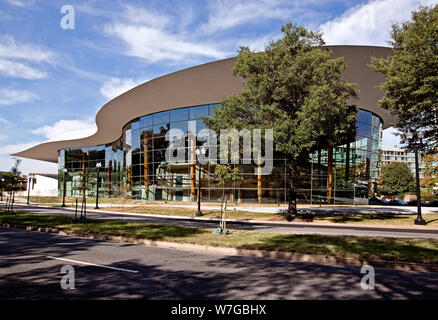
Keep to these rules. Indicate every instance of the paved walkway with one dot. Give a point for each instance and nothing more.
(278, 227)
(277, 209)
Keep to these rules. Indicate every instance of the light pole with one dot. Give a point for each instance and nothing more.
(198, 153)
(416, 146)
(29, 182)
(64, 186)
(1, 192)
(98, 166)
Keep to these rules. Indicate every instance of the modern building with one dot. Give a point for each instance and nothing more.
(395, 154)
(42, 184)
(130, 142)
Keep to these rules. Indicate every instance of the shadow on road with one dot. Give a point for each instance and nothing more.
(201, 277)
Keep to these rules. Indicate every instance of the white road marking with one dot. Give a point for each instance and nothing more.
(93, 264)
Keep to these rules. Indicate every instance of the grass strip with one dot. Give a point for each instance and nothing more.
(389, 249)
(384, 219)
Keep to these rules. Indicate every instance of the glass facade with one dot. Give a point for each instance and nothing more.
(135, 166)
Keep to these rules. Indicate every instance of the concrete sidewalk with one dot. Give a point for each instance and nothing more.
(344, 209)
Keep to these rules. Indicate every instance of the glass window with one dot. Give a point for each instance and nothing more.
(364, 116)
(182, 125)
(160, 156)
(213, 106)
(161, 117)
(179, 115)
(135, 125)
(160, 143)
(146, 144)
(146, 121)
(363, 130)
(196, 112)
(200, 125)
(161, 130)
(146, 134)
(135, 141)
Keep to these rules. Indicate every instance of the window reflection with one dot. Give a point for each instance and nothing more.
(135, 165)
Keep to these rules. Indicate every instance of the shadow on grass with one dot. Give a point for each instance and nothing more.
(345, 218)
(429, 222)
(391, 249)
(113, 227)
(137, 230)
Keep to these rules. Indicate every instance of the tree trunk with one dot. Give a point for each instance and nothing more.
(292, 208)
(347, 165)
(224, 223)
(329, 172)
(192, 169)
(13, 192)
(221, 224)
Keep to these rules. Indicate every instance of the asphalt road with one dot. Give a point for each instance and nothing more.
(127, 271)
(296, 228)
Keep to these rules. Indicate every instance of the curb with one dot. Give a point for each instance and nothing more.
(290, 256)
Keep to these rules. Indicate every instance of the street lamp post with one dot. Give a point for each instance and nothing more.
(29, 182)
(64, 182)
(1, 192)
(98, 166)
(198, 153)
(416, 146)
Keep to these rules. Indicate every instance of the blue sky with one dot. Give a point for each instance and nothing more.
(53, 81)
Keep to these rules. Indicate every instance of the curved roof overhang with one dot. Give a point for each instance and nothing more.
(206, 84)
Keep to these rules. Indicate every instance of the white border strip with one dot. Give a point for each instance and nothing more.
(92, 264)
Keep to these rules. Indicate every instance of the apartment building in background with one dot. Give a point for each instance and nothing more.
(396, 154)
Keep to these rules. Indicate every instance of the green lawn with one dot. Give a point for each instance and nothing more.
(400, 220)
(407, 250)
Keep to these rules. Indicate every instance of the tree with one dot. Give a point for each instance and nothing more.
(430, 180)
(294, 88)
(411, 86)
(17, 182)
(226, 177)
(398, 177)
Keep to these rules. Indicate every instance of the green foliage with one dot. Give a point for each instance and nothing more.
(411, 84)
(398, 177)
(226, 175)
(13, 180)
(430, 180)
(296, 89)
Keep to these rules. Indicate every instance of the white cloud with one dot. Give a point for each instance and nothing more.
(153, 45)
(369, 24)
(116, 86)
(5, 121)
(389, 139)
(259, 43)
(27, 165)
(21, 3)
(141, 16)
(20, 70)
(67, 129)
(16, 147)
(225, 14)
(10, 49)
(11, 97)
(151, 36)
(3, 137)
